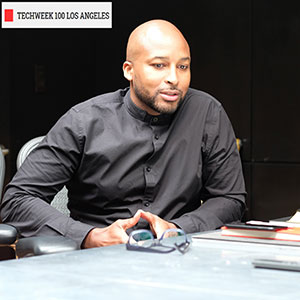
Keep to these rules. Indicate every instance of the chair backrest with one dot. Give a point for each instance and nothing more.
(2, 172)
(61, 198)
(26, 149)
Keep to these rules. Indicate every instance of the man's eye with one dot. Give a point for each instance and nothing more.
(158, 66)
(183, 67)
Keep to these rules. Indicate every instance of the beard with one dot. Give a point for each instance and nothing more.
(161, 107)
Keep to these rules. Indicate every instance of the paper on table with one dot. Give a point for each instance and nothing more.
(294, 221)
(295, 218)
(273, 223)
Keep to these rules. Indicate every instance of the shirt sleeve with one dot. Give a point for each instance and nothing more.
(223, 188)
(44, 172)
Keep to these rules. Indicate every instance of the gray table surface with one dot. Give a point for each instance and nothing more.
(212, 269)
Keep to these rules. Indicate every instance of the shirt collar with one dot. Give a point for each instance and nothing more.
(142, 115)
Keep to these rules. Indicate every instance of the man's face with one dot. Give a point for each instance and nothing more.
(161, 75)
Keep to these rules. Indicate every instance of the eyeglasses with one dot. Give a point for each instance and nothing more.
(171, 239)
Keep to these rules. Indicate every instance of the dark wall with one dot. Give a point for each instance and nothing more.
(245, 53)
(275, 108)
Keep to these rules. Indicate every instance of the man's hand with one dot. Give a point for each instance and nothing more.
(157, 224)
(112, 234)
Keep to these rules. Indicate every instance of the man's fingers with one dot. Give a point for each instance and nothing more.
(124, 237)
(154, 222)
(148, 216)
(128, 223)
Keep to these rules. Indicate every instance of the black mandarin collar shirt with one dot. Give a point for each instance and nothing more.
(115, 158)
(142, 115)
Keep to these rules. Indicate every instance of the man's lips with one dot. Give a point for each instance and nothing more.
(170, 95)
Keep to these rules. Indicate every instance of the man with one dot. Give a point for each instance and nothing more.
(158, 155)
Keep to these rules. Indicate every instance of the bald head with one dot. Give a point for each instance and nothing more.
(157, 67)
(153, 34)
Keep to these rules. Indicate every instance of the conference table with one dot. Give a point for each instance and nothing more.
(211, 269)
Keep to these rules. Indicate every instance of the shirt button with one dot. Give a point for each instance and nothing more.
(155, 119)
(148, 169)
(156, 137)
(147, 204)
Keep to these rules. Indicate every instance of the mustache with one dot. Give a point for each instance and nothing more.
(173, 89)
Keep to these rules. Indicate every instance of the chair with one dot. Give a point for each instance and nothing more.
(8, 234)
(10, 245)
(61, 198)
(26, 149)
(2, 171)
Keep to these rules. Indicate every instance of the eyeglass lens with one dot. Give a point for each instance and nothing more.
(170, 240)
(141, 239)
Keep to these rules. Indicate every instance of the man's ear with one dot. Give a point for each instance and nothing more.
(128, 70)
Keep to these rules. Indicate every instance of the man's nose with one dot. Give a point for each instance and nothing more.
(172, 76)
